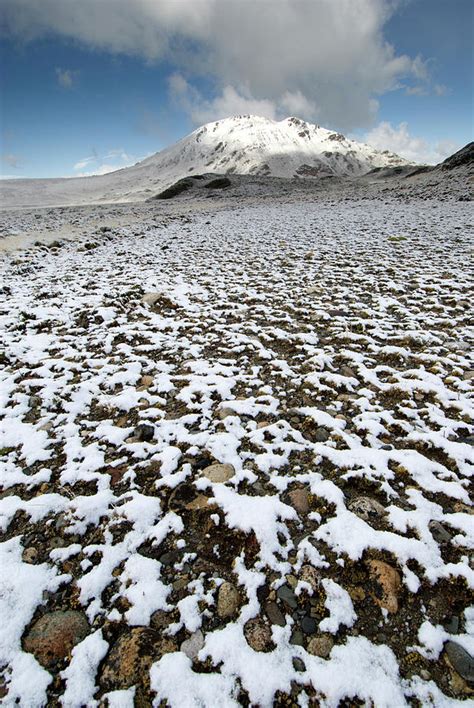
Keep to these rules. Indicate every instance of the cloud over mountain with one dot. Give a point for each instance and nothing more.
(319, 59)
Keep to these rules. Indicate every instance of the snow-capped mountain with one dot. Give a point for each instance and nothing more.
(239, 145)
(256, 145)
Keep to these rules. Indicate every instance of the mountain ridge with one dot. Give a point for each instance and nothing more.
(250, 144)
(241, 145)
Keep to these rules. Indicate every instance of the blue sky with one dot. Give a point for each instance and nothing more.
(91, 86)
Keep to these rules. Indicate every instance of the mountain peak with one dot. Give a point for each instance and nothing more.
(252, 144)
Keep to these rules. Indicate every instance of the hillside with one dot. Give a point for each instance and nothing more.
(239, 145)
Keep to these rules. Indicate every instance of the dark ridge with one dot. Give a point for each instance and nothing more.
(218, 183)
(465, 156)
(178, 187)
(420, 170)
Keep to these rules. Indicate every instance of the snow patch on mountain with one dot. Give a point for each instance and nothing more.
(257, 145)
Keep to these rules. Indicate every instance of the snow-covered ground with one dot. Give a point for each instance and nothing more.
(319, 353)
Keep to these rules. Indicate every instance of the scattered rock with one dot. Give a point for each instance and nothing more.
(297, 638)
(219, 473)
(170, 557)
(440, 534)
(298, 664)
(150, 298)
(452, 624)
(130, 658)
(321, 646)
(145, 432)
(389, 584)
(29, 555)
(146, 380)
(192, 646)
(274, 614)
(225, 412)
(367, 508)
(310, 575)
(228, 600)
(461, 661)
(321, 434)
(298, 499)
(286, 594)
(357, 593)
(258, 635)
(200, 502)
(308, 625)
(52, 637)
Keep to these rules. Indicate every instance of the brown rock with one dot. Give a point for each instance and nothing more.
(228, 600)
(321, 646)
(200, 502)
(29, 555)
(225, 412)
(116, 474)
(130, 658)
(310, 575)
(357, 593)
(146, 380)
(389, 584)
(52, 637)
(258, 635)
(218, 473)
(298, 499)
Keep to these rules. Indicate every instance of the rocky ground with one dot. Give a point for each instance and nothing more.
(236, 446)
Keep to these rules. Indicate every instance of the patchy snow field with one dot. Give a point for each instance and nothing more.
(236, 447)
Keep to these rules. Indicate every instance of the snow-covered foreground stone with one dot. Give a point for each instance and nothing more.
(321, 356)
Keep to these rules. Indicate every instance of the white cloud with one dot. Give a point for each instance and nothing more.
(66, 77)
(96, 164)
(318, 58)
(232, 101)
(399, 140)
(229, 103)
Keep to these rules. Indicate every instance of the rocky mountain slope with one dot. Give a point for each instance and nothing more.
(239, 145)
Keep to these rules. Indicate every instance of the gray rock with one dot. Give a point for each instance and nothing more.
(297, 638)
(461, 661)
(274, 614)
(321, 435)
(192, 646)
(145, 432)
(170, 558)
(366, 508)
(298, 664)
(286, 594)
(151, 298)
(452, 625)
(308, 625)
(440, 534)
